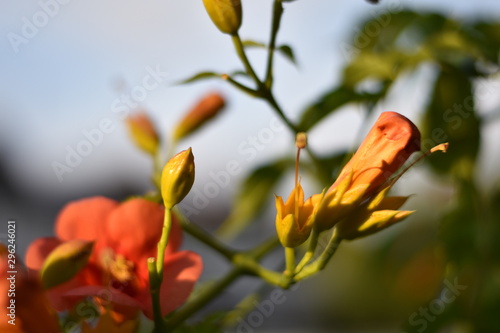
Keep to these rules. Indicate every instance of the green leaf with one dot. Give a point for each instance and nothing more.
(284, 50)
(453, 46)
(378, 66)
(332, 101)
(459, 227)
(386, 37)
(200, 76)
(287, 52)
(451, 117)
(238, 73)
(254, 195)
(252, 43)
(325, 105)
(487, 38)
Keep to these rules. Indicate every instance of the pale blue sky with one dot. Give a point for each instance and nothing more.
(64, 79)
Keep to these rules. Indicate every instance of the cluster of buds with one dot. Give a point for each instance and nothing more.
(357, 203)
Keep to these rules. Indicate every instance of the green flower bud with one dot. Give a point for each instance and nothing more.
(65, 261)
(226, 14)
(177, 178)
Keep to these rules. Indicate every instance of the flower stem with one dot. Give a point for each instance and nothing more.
(313, 243)
(204, 297)
(290, 261)
(249, 262)
(275, 25)
(243, 263)
(322, 260)
(154, 289)
(162, 244)
(202, 235)
(269, 97)
(240, 50)
(240, 86)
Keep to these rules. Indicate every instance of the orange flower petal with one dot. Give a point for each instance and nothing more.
(84, 219)
(134, 229)
(32, 311)
(109, 295)
(39, 250)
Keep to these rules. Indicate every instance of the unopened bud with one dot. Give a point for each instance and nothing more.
(143, 133)
(207, 108)
(177, 178)
(376, 221)
(301, 140)
(65, 261)
(226, 14)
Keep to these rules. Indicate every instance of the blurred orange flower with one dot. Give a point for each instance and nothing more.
(206, 109)
(143, 132)
(125, 235)
(24, 306)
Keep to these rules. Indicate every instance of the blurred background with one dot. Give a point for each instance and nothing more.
(67, 66)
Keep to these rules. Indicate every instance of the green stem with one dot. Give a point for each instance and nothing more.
(290, 261)
(264, 90)
(202, 235)
(248, 261)
(313, 243)
(275, 25)
(162, 244)
(154, 289)
(240, 50)
(244, 263)
(250, 91)
(322, 260)
(250, 266)
(268, 96)
(204, 297)
(264, 248)
(317, 162)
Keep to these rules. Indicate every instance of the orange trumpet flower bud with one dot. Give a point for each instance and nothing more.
(390, 142)
(207, 108)
(143, 132)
